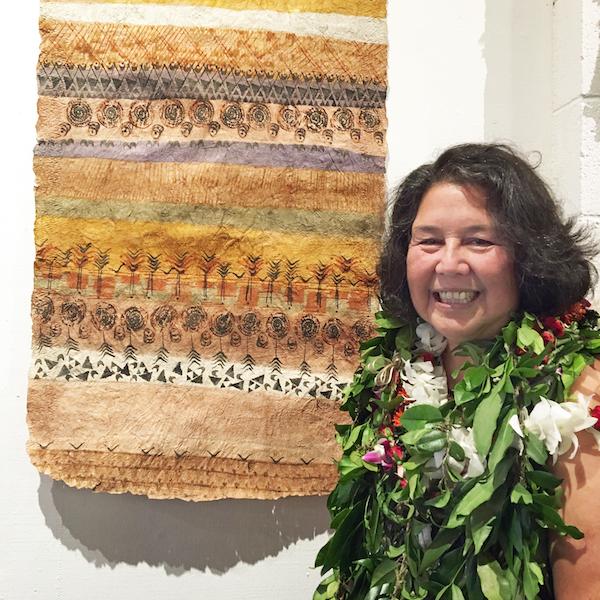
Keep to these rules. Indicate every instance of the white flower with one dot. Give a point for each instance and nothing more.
(432, 470)
(424, 383)
(429, 339)
(424, 537)
(556, 424)
(473, 462)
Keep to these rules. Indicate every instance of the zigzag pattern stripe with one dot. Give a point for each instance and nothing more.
(150, 83)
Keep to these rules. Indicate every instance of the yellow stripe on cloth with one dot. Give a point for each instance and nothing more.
(364, 8)
(342, 27)
(231, 244)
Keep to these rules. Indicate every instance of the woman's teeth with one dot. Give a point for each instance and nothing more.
(456, 297)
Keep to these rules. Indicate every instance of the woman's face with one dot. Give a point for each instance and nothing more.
(460, 274)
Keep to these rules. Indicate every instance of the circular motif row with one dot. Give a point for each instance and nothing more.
(166, 319)
(233, 115)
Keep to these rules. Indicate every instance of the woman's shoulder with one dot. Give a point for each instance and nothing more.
(588, 383)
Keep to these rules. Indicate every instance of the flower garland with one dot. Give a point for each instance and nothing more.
(448, 496)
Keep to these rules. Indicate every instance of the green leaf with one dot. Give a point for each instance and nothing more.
(373, 526)
(543, 479)
(532, 579)
(440, 501)
(509, 333)
(521, 495)
(423, 412)
(475, 376)
(350, 464)
(462, 395)
(536, 450)
(530, 339)
(404, 338)
(440, 544)
(481, 492)
(516, 531)
(593, 344)
(385, 572)
(355, 432)
(415, 461)
(481, 534)
(496, 583)
(385, 321)
(433, 441)
(456, 593)
(327, 589)
(418, 417)
(474, 351)
(342, 547)
(456, 451)
(484, 423)
(551, 517)
(504, 439)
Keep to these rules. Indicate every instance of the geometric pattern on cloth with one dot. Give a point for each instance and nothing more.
(209, 204)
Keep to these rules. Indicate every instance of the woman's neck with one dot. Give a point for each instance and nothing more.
(452, 362)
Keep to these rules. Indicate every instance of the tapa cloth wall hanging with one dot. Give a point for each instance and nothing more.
(210, 190)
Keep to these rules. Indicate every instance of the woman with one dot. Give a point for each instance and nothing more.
(474, 239)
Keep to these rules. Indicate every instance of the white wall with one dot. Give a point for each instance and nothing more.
(459, 71)
(437, 78)
(575, 116)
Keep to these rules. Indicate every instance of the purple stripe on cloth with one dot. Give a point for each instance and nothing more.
(238, 153)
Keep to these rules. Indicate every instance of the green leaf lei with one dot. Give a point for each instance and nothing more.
(399, 531)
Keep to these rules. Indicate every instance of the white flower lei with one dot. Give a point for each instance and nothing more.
(556, 425)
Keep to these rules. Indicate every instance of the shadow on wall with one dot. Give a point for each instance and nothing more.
(109, 529)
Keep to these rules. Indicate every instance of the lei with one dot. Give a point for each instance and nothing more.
(449, 496)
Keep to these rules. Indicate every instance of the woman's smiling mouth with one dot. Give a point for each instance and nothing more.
(455, 296)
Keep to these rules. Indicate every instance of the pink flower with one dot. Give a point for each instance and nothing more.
(384, 453)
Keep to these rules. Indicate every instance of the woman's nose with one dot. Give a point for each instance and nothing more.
(451, 261)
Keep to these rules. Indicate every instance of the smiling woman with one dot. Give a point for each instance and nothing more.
(466, 401)
(460, 271)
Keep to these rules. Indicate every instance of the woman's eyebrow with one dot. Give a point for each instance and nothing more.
(433, 229)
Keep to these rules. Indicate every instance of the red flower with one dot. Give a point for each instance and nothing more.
(396, 452)
(576, 312)
(428, 356)
(595, 412)
(403, 483)
(396, 419)
(548, 337)
(400, 391)
(555, 325)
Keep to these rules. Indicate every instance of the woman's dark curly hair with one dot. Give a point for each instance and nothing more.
(552, 256)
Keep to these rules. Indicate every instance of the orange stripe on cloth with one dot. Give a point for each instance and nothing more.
(209, 184)
(254, 52)
(194, 424)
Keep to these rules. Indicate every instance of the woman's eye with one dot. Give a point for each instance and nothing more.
(479, 242)
(431, 242)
